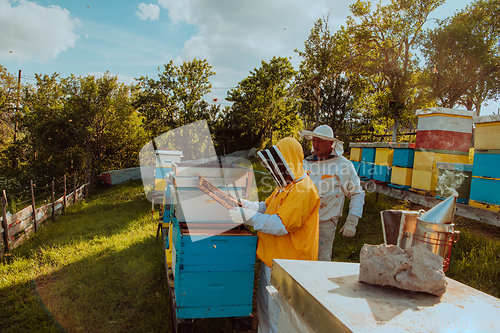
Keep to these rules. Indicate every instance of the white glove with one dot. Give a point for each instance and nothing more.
(242, 215)
(349, 227)
(269, 224)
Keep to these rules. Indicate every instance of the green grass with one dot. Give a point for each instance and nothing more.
(99, 267)
(96, 269)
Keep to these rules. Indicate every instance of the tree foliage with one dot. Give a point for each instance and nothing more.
(385, 40)
(463, 57)
(176, 97)
(8, 98)
(78, 124)
(262, 112)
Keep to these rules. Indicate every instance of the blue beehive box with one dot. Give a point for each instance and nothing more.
(382, 173)
(486, 164)
(485, 190)
(404, 154)
(486, 178)
(213, 260)
(366, 170)
(368, 155)
(213, 276)
(356, 166)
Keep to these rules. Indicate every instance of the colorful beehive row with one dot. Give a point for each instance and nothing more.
(443, 135)
(387, 162)
(485, 172)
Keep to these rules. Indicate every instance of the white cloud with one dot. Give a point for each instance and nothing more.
(235, 36)
(151, 12)
(33, 32)
(178, 11)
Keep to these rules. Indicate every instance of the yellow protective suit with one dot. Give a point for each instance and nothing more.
(297, 205)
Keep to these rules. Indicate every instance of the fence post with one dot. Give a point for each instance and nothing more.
(74, 188)
(33, 203)
(64, 196)
(53, 202)
(4, 222)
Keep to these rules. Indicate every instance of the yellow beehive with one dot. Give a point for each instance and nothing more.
(482, 205)
(356, 154)
(160, 184)
(383, 156)
(425, 180)
(426, 160)
(487, 133)
(168, 252)
(401, 176)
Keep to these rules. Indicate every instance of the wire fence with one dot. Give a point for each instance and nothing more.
(24, 211)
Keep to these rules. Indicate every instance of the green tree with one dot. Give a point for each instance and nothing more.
(325, 60)
(8, 98)
(384, 41)
(104, 121)
(463, 57)
(48, 145)
(176, 97)
(262, 112)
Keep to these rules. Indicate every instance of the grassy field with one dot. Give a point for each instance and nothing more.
(99, 267)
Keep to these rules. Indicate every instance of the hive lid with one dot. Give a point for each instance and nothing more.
(406, 145)
(492, 118)
(381, 144)
(446, 111)
(442, 212)
(361, 144)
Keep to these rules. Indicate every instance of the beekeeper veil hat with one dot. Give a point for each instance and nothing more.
(284, 161)
(325, 132)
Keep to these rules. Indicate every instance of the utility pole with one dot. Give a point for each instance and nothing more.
(17, 102)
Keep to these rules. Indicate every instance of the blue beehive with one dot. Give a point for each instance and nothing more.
(366, 170)
(213, 276)
(486, 180)
(403, 154)
(212, 259)
(382, 173)
(368, 155)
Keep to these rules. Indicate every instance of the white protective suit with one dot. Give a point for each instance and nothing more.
(335, 178)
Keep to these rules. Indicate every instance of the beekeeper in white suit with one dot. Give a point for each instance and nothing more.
(335, 178)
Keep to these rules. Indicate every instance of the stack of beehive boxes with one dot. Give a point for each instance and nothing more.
(367, 164)
(443, 135)
(485, 183)
(164, 159)
(402, 164)
(355, 156)
(383, 161)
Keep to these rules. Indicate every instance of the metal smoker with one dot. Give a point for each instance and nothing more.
(435, 229)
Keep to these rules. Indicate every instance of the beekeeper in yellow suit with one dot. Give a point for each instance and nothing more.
(287, 221)
(335, 178)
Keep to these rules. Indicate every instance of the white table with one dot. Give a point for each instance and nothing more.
(316, 296)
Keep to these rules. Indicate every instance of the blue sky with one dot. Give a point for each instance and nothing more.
(132, 38)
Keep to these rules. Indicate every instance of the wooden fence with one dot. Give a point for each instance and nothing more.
(16, 228)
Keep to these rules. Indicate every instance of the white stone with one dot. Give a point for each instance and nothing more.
(415, 268)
